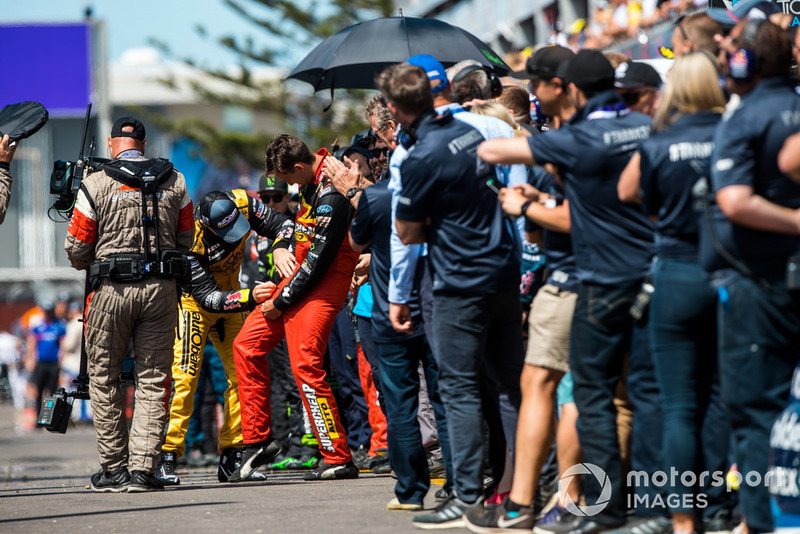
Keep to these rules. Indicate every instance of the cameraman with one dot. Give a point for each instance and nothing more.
(7, 149)
(124, 211)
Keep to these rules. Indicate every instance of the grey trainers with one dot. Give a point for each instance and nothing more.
(499, 519)
(115, 481)
(449, 514)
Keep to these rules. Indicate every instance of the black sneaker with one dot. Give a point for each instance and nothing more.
(165, 472)
(115, 481)
(718, 523)
(247, 460)
(361, 458)
(449, 514)
(442, 495)
(332, 472)
(499, 519)
(142, 481)
(436, 468)
(650, 525)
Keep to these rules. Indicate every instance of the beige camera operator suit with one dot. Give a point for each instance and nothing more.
(108, 220)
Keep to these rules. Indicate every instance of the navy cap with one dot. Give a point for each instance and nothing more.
(433, 69)
(138, 128)
(219, 213)
(544, 63)
(589, 70)
(634, 74)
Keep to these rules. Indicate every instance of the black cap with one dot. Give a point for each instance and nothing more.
(269, 183)
(138, 128)
(221, 215)
(589, 70)
(634, 74)
(544, 63)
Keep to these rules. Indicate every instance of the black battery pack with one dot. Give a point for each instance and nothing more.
(55, 412)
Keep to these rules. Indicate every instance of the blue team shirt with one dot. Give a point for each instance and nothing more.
(674, 180)
(557, 245)
(373, 223)
(612, 240)
(48, 339)
(472, 249)
(746, 146)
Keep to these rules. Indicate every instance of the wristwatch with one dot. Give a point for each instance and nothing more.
(353, 191)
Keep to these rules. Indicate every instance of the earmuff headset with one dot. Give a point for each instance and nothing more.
(743, 63)
(407, 137)
(494, 80)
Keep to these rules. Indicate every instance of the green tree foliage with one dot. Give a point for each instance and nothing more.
(285, 26)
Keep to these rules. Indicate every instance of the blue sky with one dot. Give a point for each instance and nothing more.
(132, 24)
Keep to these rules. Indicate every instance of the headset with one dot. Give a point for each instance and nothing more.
(494, 80)
(407, 137)
(743, 63)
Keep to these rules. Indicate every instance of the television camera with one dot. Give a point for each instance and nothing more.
(66, 178)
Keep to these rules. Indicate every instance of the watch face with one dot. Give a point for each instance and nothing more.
(353, 191)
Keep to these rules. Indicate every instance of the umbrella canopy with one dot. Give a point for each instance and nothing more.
(351, 58)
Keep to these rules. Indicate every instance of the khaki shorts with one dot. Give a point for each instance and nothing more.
(549, 325)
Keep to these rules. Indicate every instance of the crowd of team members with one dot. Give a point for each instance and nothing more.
(639, 194)
(634, 192)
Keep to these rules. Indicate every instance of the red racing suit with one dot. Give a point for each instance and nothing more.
(310, 300)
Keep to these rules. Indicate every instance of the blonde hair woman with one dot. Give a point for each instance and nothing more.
(671, 167)
(499, 111)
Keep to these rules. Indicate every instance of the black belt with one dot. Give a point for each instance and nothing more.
(133, 267)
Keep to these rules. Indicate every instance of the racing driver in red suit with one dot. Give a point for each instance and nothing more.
(303, 308)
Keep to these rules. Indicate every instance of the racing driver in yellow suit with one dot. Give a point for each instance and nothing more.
(216, 307)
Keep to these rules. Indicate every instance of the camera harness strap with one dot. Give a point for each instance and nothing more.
(145, 175)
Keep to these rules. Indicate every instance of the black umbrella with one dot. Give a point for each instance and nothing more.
(351, 58)
(22, 119)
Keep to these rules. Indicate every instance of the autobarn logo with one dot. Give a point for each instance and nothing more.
(193, 342)
(322, 417)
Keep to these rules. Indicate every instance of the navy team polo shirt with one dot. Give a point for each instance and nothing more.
(612, 240)
(472, 246)
(746, 147)
(672, 163)
(373, 223)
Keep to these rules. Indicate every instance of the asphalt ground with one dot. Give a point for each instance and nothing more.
(44, 488)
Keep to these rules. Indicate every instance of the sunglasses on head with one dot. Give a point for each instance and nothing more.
(277, 197)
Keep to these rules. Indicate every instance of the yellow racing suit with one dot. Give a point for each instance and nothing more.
(216, 308)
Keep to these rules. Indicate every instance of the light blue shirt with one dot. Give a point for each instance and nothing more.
(405, 257)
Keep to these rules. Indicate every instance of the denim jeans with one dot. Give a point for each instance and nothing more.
(759, 343)
(477, 337)
(398, 365)
(603, 331)
(683, 341)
